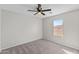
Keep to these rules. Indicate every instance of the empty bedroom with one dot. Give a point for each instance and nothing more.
(39, 28)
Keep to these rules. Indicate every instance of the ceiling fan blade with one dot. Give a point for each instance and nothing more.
(32, 10)
(42, 13)
(46, 10)
(36, 13)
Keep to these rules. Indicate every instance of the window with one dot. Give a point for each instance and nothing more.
(58, 28)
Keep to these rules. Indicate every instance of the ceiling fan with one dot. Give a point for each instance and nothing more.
(40, 10)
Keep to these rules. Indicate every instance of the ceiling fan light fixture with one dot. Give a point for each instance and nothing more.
(39, 13)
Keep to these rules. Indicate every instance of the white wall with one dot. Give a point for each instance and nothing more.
(0, 29)
(19, 29)
(71, 29)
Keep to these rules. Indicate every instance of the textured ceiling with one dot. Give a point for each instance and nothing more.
(56, 8)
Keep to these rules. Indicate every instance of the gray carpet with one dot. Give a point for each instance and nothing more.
(40, 47)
